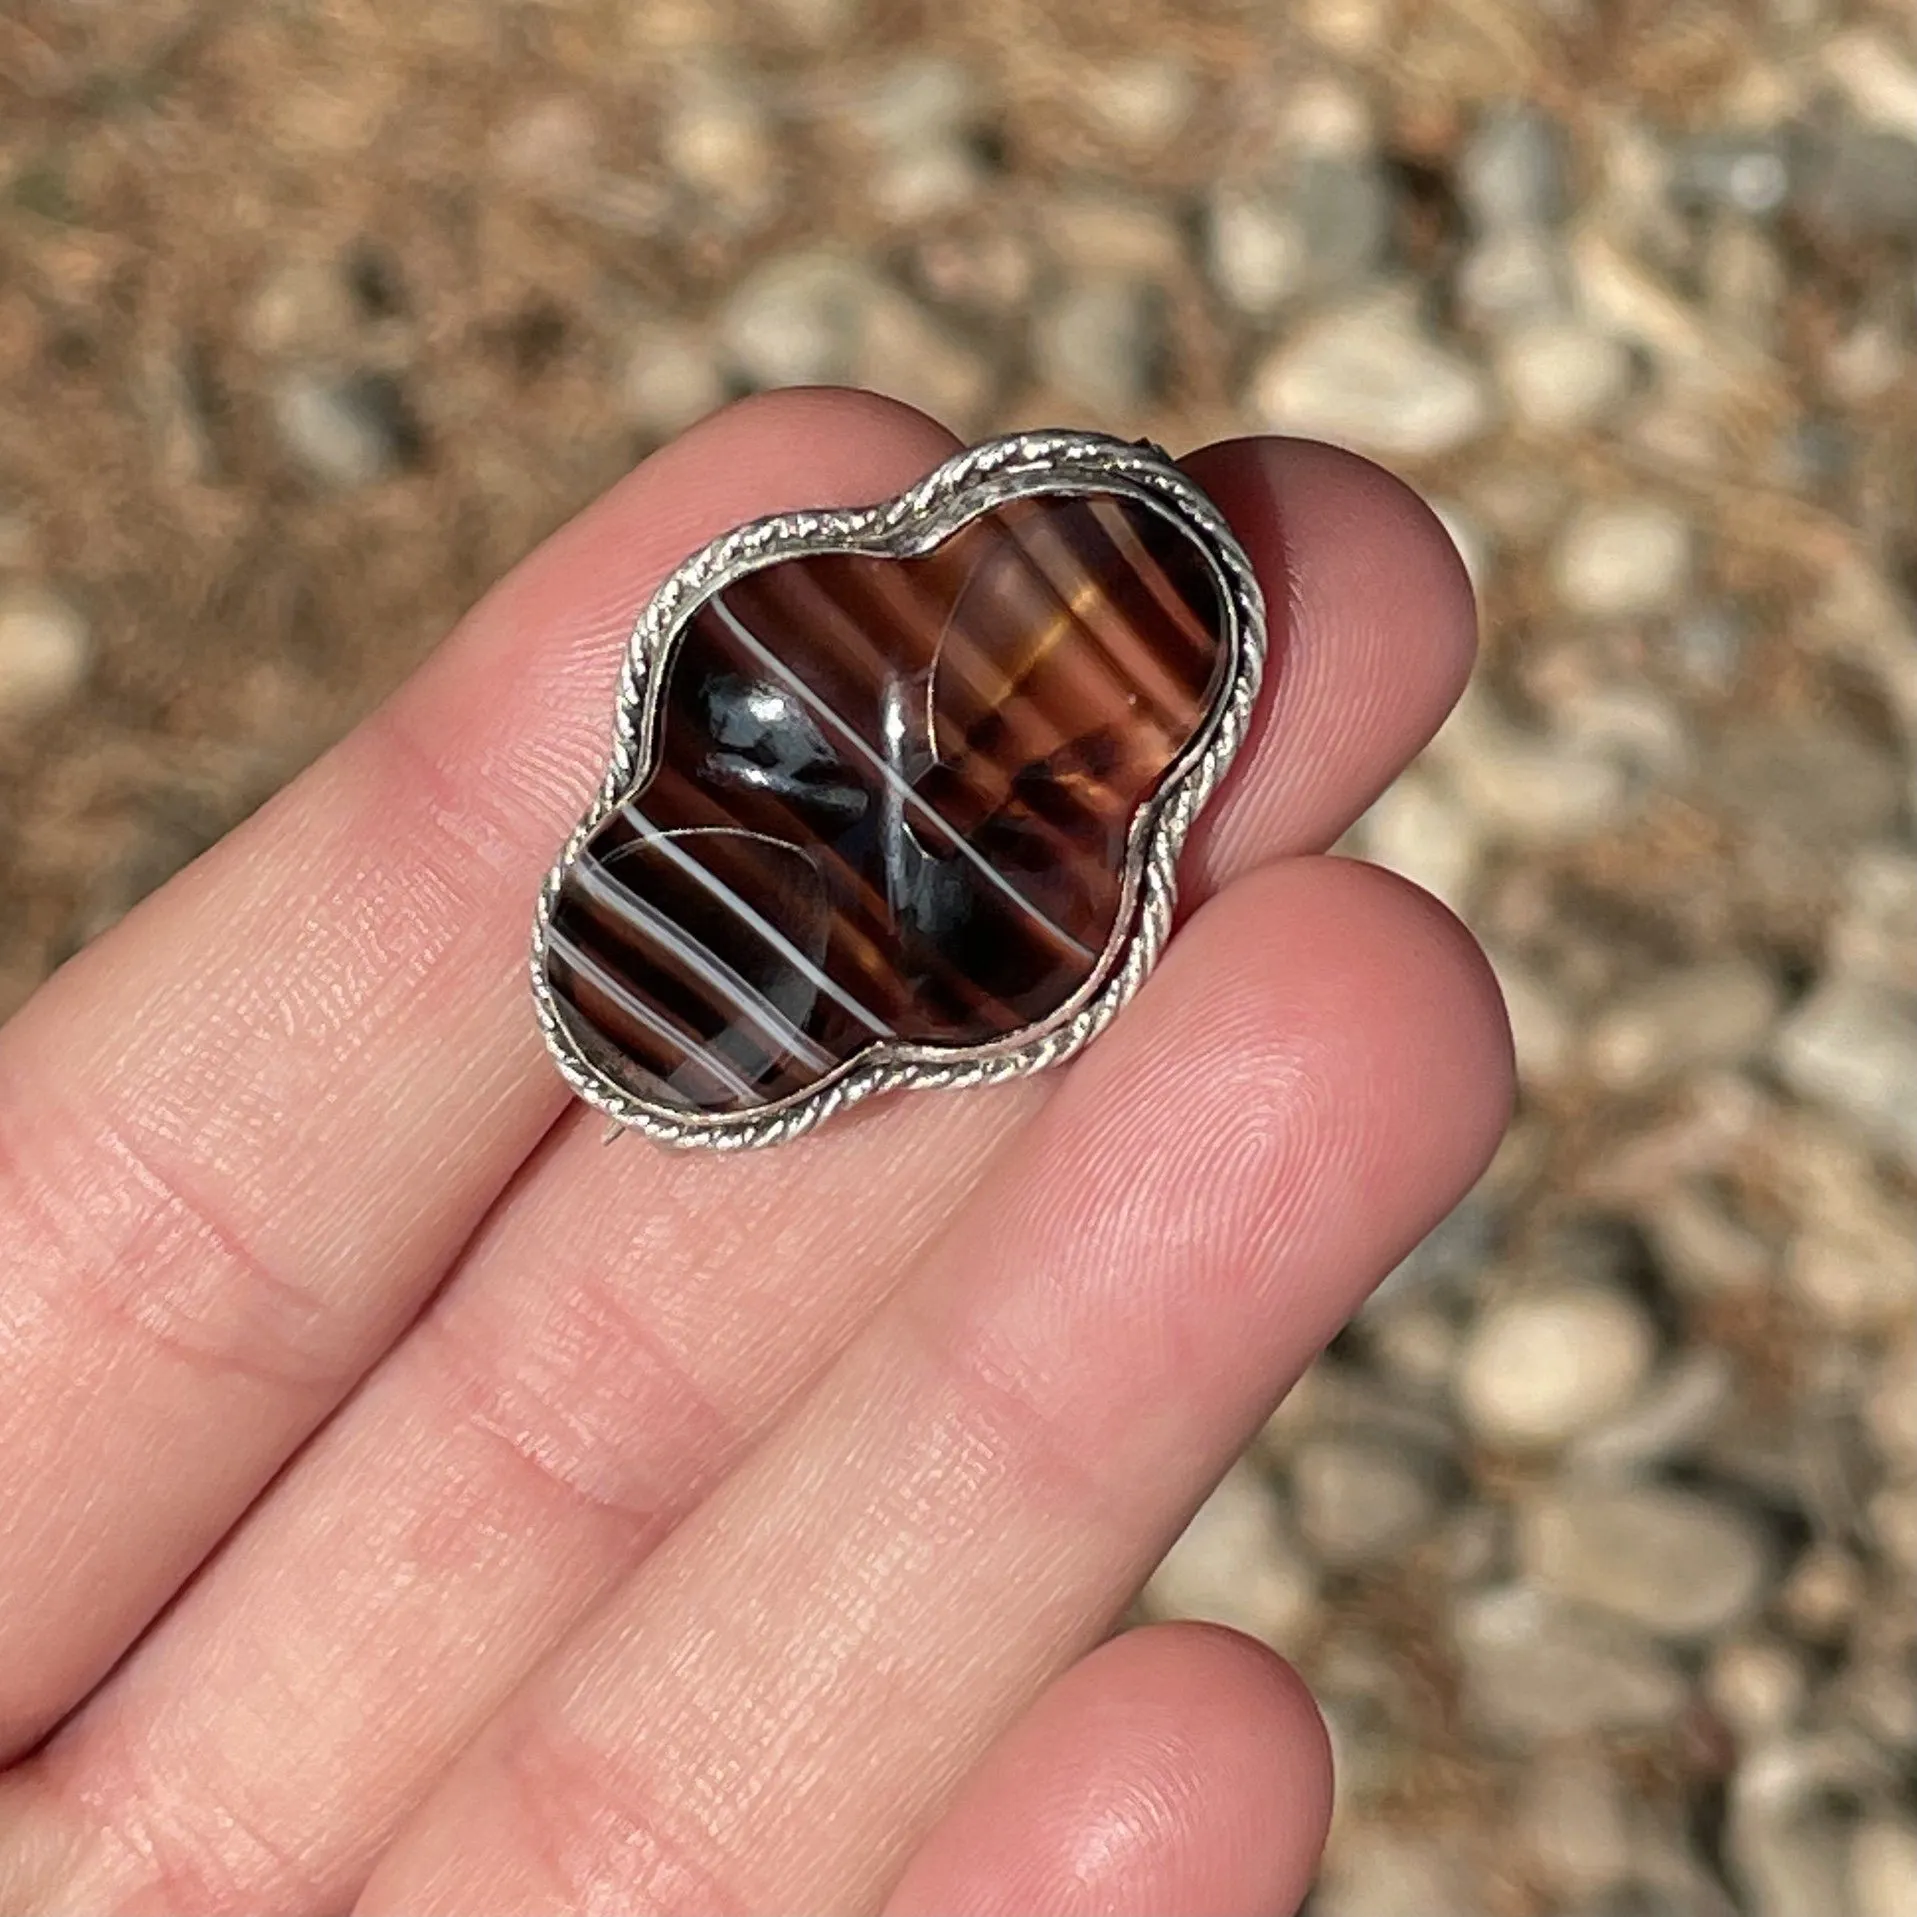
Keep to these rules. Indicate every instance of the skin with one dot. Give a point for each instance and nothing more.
(414, 1505)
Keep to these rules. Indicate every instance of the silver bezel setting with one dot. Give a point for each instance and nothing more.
(973, 482)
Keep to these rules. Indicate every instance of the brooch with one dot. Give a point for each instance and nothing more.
(897, 794)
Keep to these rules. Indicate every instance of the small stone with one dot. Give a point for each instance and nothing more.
(1543, 1025)
(1512, 171)
(1671, 1418)
(1343, 208)
(1702, 1248)
(305, 306)
(1783, 1848)
(550, 146)
(1745, 172)
(1883, 1868)
(1528, 786)
(903, 351)
(920, 98)
(1544, 1365)
(1369, 375)
(921, 118)
(1852, 1047)
(1890, 1408)
(1109, 236)
(1572, 1820)
(1712, 1014)
(714, 138)
(671, 379)
(1623, 561)
(1822, 1595)
(1709, 644)
(1511, 279)
(1892, 1516)
(1236, 1564)
(1143, 104)
(1757, 1685)
(1359, 1503)
(1254, 249)
(1098, 346)
(1392, 1874)
(1418, 831)
(1875, 938)
(1861, 184)
(1677, 1564)
(344, 432)
(1562, 375)
(46, 649)
(1857, 1272)
(1354, 30)
(798, 320)
(1536, 1670)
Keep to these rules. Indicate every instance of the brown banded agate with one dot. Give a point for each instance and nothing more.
(891, 800)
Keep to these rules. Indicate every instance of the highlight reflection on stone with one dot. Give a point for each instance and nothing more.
(892, 800)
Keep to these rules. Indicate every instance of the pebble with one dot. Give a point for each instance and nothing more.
(1821, 1597)
(1418, 830)
(1573, 1821)
(1890, 1407)
(1702, 1248)
(1541, 1366)
(1623, 561)
(905, 352)
(1671, 1418)
(1757, 1685)
(1543, 1024)
(1392, 1874)
(1236, 1564)
(1875, 937)
(714, 137)
(345, 432)
(1882, 1868)
(1712, 1014)
(1561, 374)
(671, 378)
(1511, 279)
(1097, 345)
(1852, 1046)
(1861, 183)
(1536, 1670)
(1528, 786)
(46, 650)
(1253, 250)
(1512, 169)
(1359, 1503)
(1857, 1272)
(1678, 1564)
(1784, 1853)
(1746, 172)
(1369, 375)
(798, 319)
(921, 117)
(1142, 104)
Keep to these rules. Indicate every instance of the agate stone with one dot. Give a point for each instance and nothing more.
(890, 800)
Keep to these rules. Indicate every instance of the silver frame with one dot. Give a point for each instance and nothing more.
(972, 482)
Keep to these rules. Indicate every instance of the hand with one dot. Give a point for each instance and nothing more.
(684, 1533)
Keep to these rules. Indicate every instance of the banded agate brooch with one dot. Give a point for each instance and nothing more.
(896, 795)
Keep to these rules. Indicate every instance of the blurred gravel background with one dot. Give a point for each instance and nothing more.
(1598, 1533)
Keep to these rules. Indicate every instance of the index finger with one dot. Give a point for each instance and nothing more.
(242, 1137)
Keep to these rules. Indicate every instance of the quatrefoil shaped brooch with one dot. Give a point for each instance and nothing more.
(896, 795)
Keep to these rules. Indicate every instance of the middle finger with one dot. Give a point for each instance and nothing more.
(629, 1321)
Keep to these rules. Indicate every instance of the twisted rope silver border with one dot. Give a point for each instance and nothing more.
(970, 483)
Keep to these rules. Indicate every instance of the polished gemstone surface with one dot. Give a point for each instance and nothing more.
(892, 799)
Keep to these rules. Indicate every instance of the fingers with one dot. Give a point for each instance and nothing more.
(1178, 1771)
(629, 1323)
(786, 1691)
(1373, 628)
(241, 1137)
